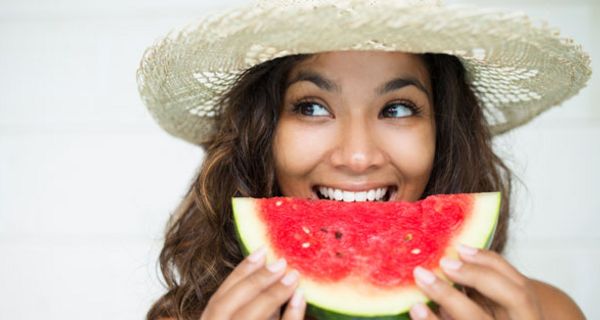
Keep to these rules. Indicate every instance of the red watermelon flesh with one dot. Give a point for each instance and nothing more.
(356, 259)
(383, 243)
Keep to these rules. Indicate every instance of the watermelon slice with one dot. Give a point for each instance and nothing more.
(356, 258)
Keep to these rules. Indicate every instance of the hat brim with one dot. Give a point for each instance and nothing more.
(517, 69)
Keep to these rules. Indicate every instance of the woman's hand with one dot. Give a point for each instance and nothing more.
(488, 273)
(254, 291)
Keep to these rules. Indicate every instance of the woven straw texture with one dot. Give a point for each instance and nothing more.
(516, 68)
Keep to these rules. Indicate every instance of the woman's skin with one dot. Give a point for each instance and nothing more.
(360, 121)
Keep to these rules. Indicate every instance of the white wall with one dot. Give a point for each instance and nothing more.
(87, 179)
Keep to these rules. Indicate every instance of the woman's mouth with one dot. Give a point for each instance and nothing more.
(373, 194)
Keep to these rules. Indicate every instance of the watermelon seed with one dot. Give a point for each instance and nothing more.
(337, 254)
(305, 229)
(323, 229)
(338, 235)
(278, 203)
(415, 251)
(306, 245)
(408, 237)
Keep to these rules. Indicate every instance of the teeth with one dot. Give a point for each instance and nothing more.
(323, 191)
(360, 196)
(349, 196)
(338, 194)
(371, 195)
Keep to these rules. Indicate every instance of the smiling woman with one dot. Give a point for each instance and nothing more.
(394, 126)
(368, 120)
(351, 118)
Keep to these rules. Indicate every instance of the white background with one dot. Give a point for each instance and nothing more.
(87, 180)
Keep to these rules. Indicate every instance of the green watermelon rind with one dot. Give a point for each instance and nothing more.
(326, 314)
(315, 308)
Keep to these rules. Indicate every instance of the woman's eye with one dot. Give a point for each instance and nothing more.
(311, 109)
(398, 110)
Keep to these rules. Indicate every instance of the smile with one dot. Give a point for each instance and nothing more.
(375, 194)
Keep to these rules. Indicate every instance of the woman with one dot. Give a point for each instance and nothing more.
(414, 124)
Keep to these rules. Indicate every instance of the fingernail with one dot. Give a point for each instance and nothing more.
(450, 264)
(277, 265)
(423, 275)
(298, 298)
(466, 250)
(290, 278)
(257, 255)
(419, 311)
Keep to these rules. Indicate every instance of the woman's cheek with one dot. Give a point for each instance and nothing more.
(298, 148)
(413, 153)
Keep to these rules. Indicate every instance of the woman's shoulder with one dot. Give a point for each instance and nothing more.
(555, 303)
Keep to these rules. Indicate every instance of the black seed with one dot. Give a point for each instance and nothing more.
(338, 235)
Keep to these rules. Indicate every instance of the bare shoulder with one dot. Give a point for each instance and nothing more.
(555, 303)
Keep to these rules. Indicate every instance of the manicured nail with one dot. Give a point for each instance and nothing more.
(418, 311)
(277, 265)
(290, 278)
(298, 298)
(450, 264)
(466, 250)
(424, 276)
(258, 255)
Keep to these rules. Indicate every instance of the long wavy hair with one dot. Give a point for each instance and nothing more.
(200, 247)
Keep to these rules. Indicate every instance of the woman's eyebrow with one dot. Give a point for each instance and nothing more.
(329, 85)
(317, 79)
(399, 83)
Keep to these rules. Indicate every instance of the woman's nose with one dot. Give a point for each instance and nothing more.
(357, 148)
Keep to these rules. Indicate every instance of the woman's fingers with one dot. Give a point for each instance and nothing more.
(296, 307)
(245, 291)
(492, 260)
(274, 296)
(422, 312)
(516, 298)
(486, 280)
(249, 265)
(457, 304)
(488, 273)
(256, 291)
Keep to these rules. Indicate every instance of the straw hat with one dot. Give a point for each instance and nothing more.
(517, 69)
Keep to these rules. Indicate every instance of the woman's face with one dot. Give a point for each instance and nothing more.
(356, 126)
